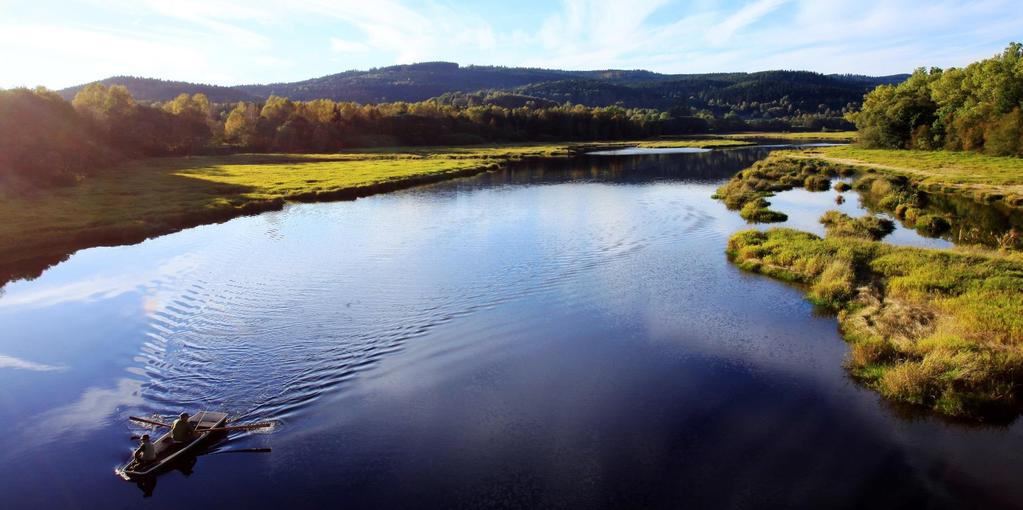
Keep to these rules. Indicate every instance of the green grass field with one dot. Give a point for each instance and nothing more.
(696, 143)
(828, 136)
(984, 178)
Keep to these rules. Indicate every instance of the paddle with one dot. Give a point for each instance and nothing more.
(244, 450)
(151, 422)
(240, 427)
(216, 429)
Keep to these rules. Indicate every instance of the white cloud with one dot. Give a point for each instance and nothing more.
(21, 364)
(339, 45)
(266, 40)
(746, 16)
(92, 410)
(405, 33)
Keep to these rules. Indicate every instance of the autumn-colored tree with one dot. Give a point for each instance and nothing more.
(191, 127)
(240, 126)
(44, 141)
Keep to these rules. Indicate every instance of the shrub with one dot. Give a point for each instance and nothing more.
(756, 211)
(871, 352)
(932, 224)
(911, 382)
(871, 228)
(835, 285)
(817, 183)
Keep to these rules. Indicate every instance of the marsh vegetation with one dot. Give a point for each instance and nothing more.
(939, 329)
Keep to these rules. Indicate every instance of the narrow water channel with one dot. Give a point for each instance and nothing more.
(558, 334)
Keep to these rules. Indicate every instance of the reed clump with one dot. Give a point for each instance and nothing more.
(872, 228)
(778, 172)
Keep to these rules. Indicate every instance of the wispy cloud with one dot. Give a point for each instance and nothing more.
(593, 33)
(339, 45)
(235, 41)
(749, 14)
(22, 364)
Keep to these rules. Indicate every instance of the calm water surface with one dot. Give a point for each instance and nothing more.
(561, 334)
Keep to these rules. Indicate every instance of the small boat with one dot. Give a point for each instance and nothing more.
(168, 451)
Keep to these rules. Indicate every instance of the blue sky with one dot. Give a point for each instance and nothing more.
(62, 43)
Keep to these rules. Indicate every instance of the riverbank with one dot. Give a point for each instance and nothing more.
(145, 198)
(935, 328)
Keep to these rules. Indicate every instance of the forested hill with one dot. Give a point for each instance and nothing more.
(417, 82)
(152, 89)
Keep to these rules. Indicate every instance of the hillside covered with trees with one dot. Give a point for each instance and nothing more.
(975, 108)
(764, 100)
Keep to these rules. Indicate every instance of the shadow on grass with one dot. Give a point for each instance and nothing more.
(44, 228)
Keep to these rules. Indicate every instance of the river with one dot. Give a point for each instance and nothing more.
(564, 333)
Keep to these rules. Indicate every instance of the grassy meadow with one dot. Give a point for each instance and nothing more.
(978, 176)
(826, 136)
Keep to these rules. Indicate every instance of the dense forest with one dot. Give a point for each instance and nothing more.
(46, 140)
(975, 108)
(766, 100)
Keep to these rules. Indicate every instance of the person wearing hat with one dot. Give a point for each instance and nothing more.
(181, 430)
(146, 452)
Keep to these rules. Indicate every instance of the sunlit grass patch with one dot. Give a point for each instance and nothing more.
(694, 143)
(981, 177)
(840, 224)
(828, 136)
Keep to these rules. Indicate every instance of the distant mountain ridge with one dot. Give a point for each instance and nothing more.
(630, 88)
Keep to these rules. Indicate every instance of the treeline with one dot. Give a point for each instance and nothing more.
(280, 124)
(47, 140)
(770, 100)
(976, 108)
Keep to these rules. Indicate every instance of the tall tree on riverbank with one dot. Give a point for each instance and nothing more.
(44, 141)
(976, 108)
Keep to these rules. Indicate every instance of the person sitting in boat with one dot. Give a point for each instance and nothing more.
(181, 429)
(146, 452)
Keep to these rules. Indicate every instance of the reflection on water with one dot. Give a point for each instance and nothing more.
(804, 209)
(557, 334)
(972, 221)
(639, 151)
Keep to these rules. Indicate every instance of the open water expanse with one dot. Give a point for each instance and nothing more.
(565, 334)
